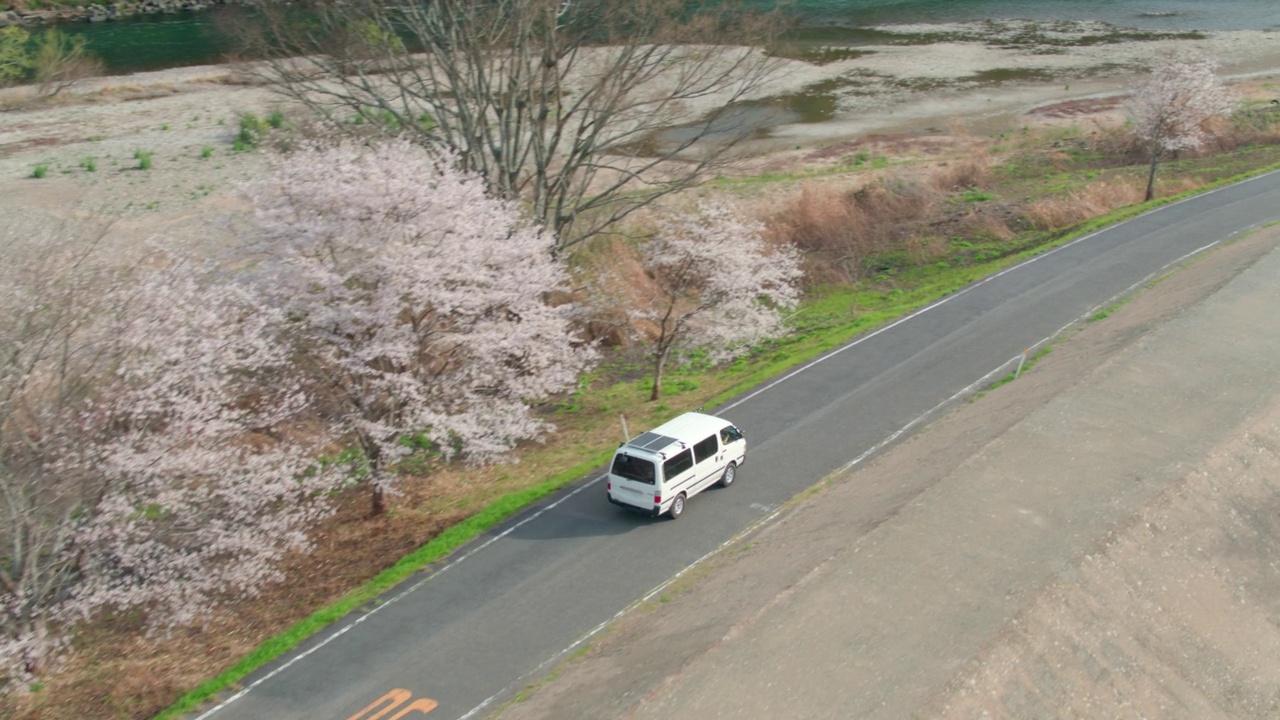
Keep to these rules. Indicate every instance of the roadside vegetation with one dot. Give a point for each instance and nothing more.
(376, 393)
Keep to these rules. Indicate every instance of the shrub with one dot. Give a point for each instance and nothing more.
(61, 60)
(144, 159)
(250, 133)
(40, 171)
(89, 164)
(15, 54)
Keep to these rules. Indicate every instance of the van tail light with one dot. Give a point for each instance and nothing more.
(608, 485)
(657, 499)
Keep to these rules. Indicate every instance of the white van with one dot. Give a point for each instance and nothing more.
(658, 471)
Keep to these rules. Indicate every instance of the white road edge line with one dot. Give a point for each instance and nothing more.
(863, 338)
(839, 471)
(342, 631)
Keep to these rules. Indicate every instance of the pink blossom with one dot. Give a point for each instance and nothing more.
(417, 297)
(142, 464)
(1170, 110)
(721, 287)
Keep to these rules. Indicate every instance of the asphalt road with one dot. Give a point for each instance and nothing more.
(467, 635)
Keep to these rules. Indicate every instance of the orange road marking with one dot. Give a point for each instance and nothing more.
(392, 701)
(422, 705)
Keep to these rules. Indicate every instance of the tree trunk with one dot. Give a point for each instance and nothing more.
(378, 494)
(658, 368)
(1151, 174)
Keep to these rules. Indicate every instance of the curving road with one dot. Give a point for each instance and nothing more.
(462, 638)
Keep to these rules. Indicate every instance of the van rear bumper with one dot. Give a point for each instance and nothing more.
(650, 511)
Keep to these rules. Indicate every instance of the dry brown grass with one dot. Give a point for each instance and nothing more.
(831, 231)
(839, 229)
(1116, 143)
(972, 171)
(1257, 126)
(985, 225)
(612, 281)
(1094, 200)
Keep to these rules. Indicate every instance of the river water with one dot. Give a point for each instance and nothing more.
(156, 42)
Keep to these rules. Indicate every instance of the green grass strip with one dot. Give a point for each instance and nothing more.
(790, 356)
(439, 547)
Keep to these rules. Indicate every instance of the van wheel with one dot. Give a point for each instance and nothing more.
(730, 474)
(677, 507)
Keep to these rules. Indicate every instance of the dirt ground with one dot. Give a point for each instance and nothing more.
(1096, 539)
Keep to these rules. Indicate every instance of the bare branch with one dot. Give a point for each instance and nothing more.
(561, 106)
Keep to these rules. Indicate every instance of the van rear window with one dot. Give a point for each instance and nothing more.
(631, 468)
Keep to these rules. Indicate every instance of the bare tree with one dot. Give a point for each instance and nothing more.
(720, 287)
(1170, 110)
(140, 463)
(417, 298)
(567, 105)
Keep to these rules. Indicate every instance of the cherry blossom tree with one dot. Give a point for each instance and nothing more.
(1170, 110)
(142, 460)
(719, 286)
(417, 298)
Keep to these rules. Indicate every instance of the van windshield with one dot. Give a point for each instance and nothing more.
(631, 468)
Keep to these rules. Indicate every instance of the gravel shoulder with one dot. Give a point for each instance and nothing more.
(1096, 539)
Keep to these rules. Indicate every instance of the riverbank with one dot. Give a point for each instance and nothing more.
(975, 81)
(992, 76)
(98, 12)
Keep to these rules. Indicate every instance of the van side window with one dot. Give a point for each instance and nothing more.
(705, 449)
(730, 434)
(677, 464)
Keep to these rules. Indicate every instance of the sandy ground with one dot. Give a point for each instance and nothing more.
(1094, 540)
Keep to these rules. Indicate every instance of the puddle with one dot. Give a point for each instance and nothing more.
(747, 120)
(753, 120)
(999, 76)
(820, 54)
